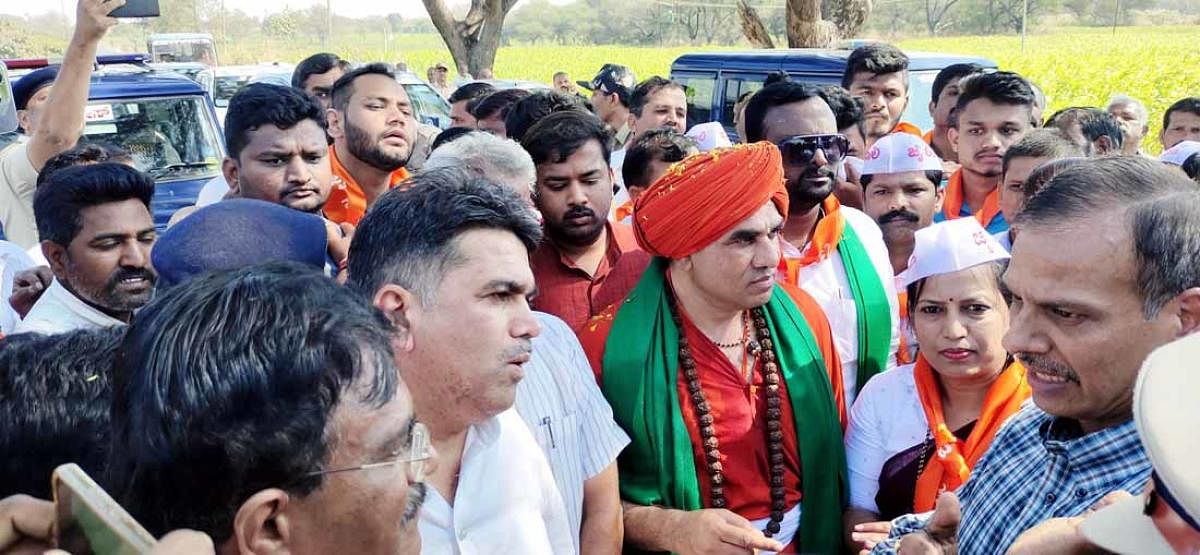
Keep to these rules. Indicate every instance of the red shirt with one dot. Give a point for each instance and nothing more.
(567, 291)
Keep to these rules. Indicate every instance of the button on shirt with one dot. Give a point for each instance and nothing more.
(60, 311)
(1038, 467)
(566, 291)
(506, 500)
(561, 403)
(827, 282)
(18, 181)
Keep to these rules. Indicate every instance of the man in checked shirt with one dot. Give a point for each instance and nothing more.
(1083, 320)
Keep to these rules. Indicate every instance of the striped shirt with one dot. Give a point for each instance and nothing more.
(566, 412)
(1039, 467)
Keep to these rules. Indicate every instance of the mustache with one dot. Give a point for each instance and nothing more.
(525, 348)
(416, 498)
(827, 170)
(579, 211)
(131, 273)
(1047, 365)
(900, 214)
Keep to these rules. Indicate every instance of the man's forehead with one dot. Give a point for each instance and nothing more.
(807, 117)
(899, 179)
(1100, 261)
(272, 137)
(123, 217)
(982, 110)
(379, 86)
(868, 79)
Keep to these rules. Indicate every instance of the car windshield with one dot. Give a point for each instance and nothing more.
(201, 51)
(428, 104)
(171, 138)
(226, 86)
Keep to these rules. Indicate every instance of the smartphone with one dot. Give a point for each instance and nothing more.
(137, 8)
(8, 107)
(88, 521)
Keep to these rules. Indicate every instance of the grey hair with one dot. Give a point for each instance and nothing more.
(485, 155)
(1123, 99)
(1160, 206)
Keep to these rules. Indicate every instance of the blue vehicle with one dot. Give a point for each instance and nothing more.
(165, 120)
(715, 80)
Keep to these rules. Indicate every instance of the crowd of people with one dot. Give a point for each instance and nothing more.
(570, 327)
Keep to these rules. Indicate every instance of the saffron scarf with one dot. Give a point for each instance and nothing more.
(952, 459)
(874, 313)
(953, 201)
(640, 375)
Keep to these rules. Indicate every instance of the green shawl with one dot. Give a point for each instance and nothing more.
(640, 374)
(872, 306)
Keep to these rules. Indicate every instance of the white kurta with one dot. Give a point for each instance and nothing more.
(60, 311)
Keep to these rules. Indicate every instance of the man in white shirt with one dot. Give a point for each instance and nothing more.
(448, 261)
(50, 104)
(834, 252)
(558, 398)
(12, 261)
(97, 233)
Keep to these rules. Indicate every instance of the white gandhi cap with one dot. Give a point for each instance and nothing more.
(898, 153)
(948, 247)
(1167, 414)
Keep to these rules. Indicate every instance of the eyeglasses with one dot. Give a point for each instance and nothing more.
(419, 451)
(800, 150)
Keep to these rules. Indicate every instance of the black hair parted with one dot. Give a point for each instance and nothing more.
(561, 134)
(319, 63)
(58, 202)
(771, 96)
(259, 104)
(877, 59)
(642, 92)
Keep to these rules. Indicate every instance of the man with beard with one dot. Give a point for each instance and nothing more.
(716, 373)
(900, 181)
(835, 253)
(994, 110)
(448, 262)
(1082, 324)
(266, 401)
(878, 73)
(585, 262)
(97, 233)
(373, 130)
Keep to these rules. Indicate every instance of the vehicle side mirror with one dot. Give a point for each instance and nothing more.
(8, 107)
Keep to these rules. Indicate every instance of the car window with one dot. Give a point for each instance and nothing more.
(226, 86)
(734, 89)
(170, 138)
(700, 90)
(428, 105)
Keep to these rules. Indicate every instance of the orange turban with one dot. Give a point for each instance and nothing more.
(703, 197)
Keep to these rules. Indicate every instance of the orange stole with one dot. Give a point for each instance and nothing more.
(347, 202)
(821, 244)
(905, 127)
(952, 204)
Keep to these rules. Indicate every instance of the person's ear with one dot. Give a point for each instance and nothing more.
(24, 119)
(952, 134)
(932, 107)
(399, 305)
(231, 171)
(261, 524)
(56, 255)
(1188, 311)
(939, 195)
(333, 120)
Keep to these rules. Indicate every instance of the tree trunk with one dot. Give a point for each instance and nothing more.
(472, 41)
(753, 27)
(805, 28)
(848, 16)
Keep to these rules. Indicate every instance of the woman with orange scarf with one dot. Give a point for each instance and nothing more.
(919, 429)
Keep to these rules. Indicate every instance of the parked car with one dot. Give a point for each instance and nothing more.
(428, 106)
(165, 120)
(715, 80)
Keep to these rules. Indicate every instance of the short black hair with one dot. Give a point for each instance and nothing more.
(408, 235)
(83, 154)
(498, 103)
(55, 392)
(58, 202)
(227, 386)
(999, 87)
(317, 64)
(1190, 105)
(1042, 143)
(560, 134)
(531, 109)
(951, 73)
(878, 59)
(259, 104)
(1046, 171)
(641, 93)
(449, 135)
(343, 88)
(1161, 208)
(1097, 123)
(847, 108)
(771, 96)
(665, 144)
(775, 77)
(471, 91)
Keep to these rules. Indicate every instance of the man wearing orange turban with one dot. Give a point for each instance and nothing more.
(716, 373)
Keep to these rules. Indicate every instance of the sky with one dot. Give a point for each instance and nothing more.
(348, 8)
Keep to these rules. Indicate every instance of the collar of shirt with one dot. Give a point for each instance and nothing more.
(618, 243)
(59, 310)
(1064, 437)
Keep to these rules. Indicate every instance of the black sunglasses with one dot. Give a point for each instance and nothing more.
(799, 150)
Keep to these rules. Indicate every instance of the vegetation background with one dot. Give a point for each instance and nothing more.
(1080, 52)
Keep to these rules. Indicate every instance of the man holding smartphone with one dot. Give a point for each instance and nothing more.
(50, 104)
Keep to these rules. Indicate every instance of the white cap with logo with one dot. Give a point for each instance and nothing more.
(1167, 416)
(900, 152)
(950, 246)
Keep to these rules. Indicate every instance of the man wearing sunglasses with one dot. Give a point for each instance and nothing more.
(834, 252)
(263, 407)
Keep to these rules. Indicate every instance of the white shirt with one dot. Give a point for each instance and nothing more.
(563, 407)
(12, 261)
(886, 419)
(18, 182)
(60, 311)
(617, 162)
(506, 500)
(828, 284)
(214, 191)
